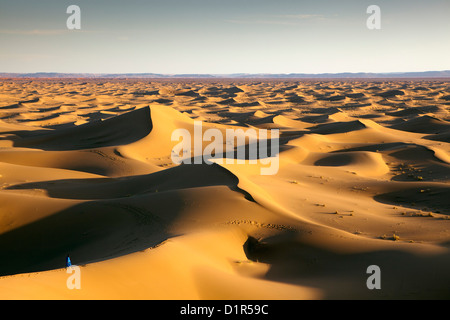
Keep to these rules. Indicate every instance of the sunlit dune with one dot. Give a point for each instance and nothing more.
(86, 170)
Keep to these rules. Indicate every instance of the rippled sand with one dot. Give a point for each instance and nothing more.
(86, 170)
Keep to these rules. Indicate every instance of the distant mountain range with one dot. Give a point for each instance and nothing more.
(346, 75)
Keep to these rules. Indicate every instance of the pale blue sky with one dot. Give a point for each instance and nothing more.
(218, 36)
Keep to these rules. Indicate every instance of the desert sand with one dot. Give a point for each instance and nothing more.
(86, 170)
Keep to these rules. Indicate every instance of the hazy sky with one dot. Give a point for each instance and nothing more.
(224, 36)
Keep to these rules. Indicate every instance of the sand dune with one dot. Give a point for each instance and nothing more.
(363, 179)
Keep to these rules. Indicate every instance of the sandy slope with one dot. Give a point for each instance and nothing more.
(86, 170)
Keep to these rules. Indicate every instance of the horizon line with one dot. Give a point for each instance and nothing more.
(149, 75)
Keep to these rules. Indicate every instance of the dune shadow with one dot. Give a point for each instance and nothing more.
(120, 130)
(424, 197)
(404, 275)
(184, 176)
(335, 160)
(89, 232)
(337, 127)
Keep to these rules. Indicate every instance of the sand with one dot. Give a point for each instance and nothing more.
(363, 179)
